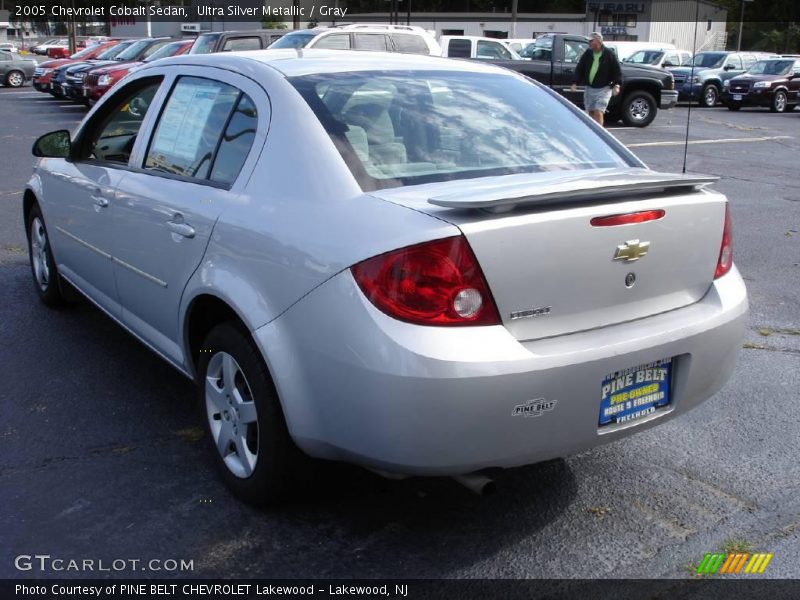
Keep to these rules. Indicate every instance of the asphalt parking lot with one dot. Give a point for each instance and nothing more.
(101, 453)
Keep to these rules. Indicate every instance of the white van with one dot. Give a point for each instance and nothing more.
(626, 49)
(472, 46)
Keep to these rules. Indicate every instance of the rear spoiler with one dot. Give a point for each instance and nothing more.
(581, 185)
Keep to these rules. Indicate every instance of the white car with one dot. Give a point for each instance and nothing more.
(402, 39)
(416, 264)
(518, 45)
(473, 46)
(8, 47)
(53, 43)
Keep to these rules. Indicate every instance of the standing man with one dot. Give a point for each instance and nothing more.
(599, 71)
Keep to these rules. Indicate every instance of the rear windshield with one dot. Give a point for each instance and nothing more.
(293, 40)
(404, 128)
(205, 43)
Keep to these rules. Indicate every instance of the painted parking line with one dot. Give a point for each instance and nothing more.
(19, 94)
(720, 141)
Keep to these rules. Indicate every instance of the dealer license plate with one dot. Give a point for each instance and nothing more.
(86, 91)
(634, 393)
(737, 96)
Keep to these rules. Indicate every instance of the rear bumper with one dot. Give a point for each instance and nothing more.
(359, 386)
(669, 98)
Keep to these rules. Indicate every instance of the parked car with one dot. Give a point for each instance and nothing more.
(15, 70)
(625, 50)
(42, 75)
(384, 259)
(703, 79)
(67, 81)
(230, 41)
(518, 45)
(656, 57)
(472, 46)
(553, 59)
(381, 39)
(773, 83)
(98, 81)
(8, 47)
(51, 43)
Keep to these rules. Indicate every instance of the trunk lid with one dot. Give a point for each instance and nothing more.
(551, 272)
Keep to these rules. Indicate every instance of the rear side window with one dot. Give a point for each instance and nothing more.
(459, 49)
(409, 44)
(191, 126)
(339, 41)
(245, 43)
(236, 143)
(370, 41)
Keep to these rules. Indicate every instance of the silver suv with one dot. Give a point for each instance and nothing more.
(378, 38)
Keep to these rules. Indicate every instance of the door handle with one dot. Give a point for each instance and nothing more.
(98, 198)
(181, 228)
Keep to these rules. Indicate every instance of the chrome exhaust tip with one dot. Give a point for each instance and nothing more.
(477, 483)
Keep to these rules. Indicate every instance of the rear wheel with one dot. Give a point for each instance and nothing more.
(709, 96)
(15, 79)
(639, 109)
(779, 102)
(255, 455)
(43, 266)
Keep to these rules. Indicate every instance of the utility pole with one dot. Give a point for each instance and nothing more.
(741, 25)
(73, 43)
(514, 18)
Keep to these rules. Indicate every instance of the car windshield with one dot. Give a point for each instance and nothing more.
(132, 51)
(771, 67)
(205, 43)
(407, 127)
(646, 57)
(83, 52)
(113, 51)
(708, 60)
(293, 40)
(165, 51)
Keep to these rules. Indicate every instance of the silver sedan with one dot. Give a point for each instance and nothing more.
(419, 265)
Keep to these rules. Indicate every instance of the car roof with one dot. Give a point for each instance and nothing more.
(295, 62)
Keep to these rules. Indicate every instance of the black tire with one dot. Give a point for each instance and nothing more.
(779, 102)
(734, 107)
(280, 468)
(48, 287)
(709, 96)
(639, 108)
(15, 79)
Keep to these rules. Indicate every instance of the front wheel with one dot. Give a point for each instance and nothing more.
(779, 102)
(709, 96)
(255, 454)
(639, 109)
(43, 266)
(15, 79)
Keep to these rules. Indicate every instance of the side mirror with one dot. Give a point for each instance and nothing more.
(56, 144)
(667, 64)
(729, 67)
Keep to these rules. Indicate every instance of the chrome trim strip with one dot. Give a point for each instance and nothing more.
(84, 243)
(120, 262)
(147, 276)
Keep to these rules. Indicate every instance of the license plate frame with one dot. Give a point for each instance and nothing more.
(737, 97)
(634, 393)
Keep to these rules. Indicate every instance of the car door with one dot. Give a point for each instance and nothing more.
(794, 83)
(5, 64)
(197, 158)
(80, 193)
(564, 69)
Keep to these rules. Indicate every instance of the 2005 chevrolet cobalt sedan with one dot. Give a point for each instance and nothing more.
(419, 265)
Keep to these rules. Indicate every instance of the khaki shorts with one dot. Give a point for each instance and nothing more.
(596, 98)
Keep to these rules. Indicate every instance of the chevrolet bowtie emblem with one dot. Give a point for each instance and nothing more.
(631, 250)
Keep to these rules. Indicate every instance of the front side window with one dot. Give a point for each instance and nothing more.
(112, 139)
(403, 128)
(708, 60)
(734, 61)
(573, 50)
(772, 67)
(338, 41)
(190, 127)
(245, 43)
(236, 142)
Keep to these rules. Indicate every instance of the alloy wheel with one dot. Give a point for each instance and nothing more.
(639, 109)
(780, 102)
(39, 250)
(232, 415)
(15, 79)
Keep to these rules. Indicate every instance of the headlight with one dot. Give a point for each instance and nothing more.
(105, 80)
(80, 76)
(762, 84)
(726, 83)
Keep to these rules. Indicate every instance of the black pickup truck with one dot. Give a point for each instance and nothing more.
(552, 62)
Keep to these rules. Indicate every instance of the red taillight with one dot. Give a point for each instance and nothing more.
(434, 283)
(627, 218)
(725, 261)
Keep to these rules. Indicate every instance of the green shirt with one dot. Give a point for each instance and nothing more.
(595, 65)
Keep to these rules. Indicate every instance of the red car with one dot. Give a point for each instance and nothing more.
(44, 71)
(98, 81)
